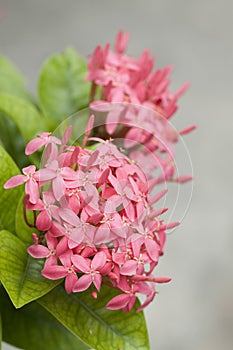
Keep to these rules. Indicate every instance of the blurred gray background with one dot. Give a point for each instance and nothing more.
(195, 311)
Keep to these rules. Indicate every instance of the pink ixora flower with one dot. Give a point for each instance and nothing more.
(95, 204)
(91, 270)
(29, 178)
(42, 139)
(136, 100)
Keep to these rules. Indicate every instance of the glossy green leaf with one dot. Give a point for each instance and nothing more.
(8, 198)
(94, 324)
(26, 117)
(12, 141)
(0, 330)
(62, 89)
(22, 230)
(12, 81)
(20, 274)
(33, 328)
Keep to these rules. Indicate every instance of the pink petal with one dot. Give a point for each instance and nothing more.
(59, 188)
(54, 272)
(34, 145)
(31, 188)
(90, 125)
(118, 302)
(129, 209)
(62, 246)
(187, 130)
(152, 249)
(66, 135)
(43, 221)
(81, 263)
(131, 303)
(148, 300)
(76, 237)
(38, 251)
(57, 230)
(112, 203)
(66, 258)
(51, 261)
(183, 178)
(162, 239)
(14, 181)
(68, 174)
(100, 106)
(99, 260)
(158, 196)
(132, 138)
(104, 176)
(69, 216)
(45, 175)
(70, 281)
(83, 283)
(97, 281)
(92, 158)
(112, 121)
(129, 268)
(51, 241)
(102, 234)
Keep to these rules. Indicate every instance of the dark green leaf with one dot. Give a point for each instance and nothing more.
(0, 330)
(20, 274)
(11, 81)
(26, 117)
(8, 198)
(94, 324)
(33, 328)
(12, 141)
(62, 88)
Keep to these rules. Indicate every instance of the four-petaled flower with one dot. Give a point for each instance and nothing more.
(91, 270)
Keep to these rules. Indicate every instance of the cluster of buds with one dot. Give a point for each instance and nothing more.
(138, 104)
(97, 220)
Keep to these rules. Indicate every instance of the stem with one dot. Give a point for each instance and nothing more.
(25, 214)
(93, 91)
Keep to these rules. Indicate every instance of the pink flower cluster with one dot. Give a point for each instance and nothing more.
(140, 102)
(95, 208)
(125, 79)
(96, 218)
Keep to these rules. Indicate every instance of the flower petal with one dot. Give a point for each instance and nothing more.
(38, 251)
(34, 145)
(129, 268)
(99, 260)
(83, 283)
(97, 281)
(54, 272)
(81, 263)
(14, 181)
(118, 302)
(70, 281)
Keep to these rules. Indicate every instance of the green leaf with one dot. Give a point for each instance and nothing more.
(94, 324)
(62, 88)
(0, 330)
(32, 327)
(20, 274)
(22, 230)
(12, 140)
(26, 117)
(8, 198)
(12, 81)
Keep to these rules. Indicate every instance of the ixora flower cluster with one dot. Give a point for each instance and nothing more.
(97, 220)
(139, 100)
(95, 208)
